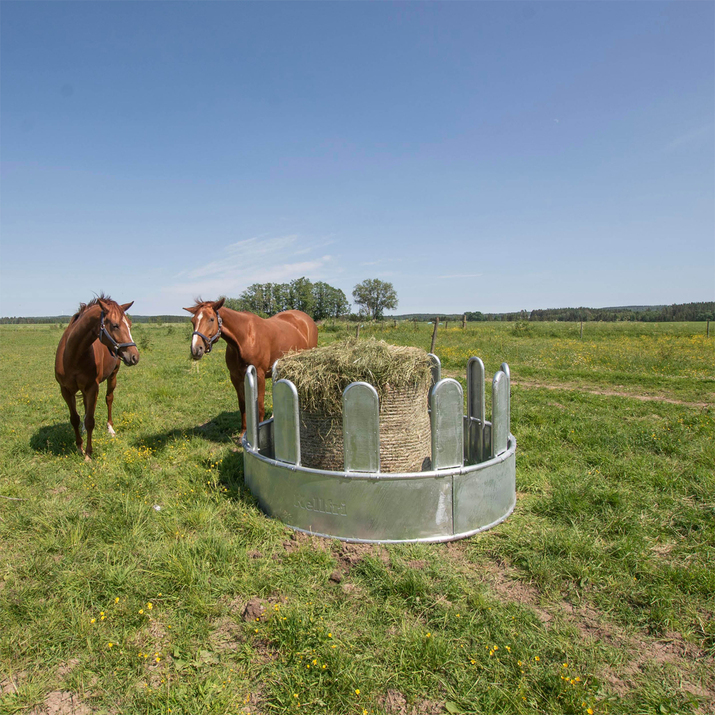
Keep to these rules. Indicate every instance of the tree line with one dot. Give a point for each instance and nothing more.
(319, 300)
(678, 312)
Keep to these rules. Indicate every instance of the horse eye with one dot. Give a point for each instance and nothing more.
(115, 326)
(211, 319)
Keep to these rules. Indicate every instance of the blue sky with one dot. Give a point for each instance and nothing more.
(487, 156)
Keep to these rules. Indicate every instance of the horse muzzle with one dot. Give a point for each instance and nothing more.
(129, 356)
(197, 352)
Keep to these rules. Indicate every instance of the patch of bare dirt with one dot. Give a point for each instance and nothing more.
(418, 564)
(67, 667)
(427, 707)
(596, 390)
(11, 684)
(395, 703)
(300, 538)
(591, 390)
(257, 609)
(250, 705)
(61, 702)
(226, 635)
(672, 649)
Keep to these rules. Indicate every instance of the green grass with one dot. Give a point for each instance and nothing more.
(606, 565)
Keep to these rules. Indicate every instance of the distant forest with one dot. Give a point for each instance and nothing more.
(678, 312)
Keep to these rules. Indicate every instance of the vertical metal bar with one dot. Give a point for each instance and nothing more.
(500, 413)
(251, 396)
(476, 408)
(446, 400)
(505, 369)
(436, 368)
(286, 423)
(361, 428)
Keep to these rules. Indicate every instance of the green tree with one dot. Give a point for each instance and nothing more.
(329, 302)
(375, 296)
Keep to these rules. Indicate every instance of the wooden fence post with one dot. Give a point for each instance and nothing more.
(434, 334)
(357, 331)
(707, 330)
(464, 321)
(581, 330)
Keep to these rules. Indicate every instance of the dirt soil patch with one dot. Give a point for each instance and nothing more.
(61, 702)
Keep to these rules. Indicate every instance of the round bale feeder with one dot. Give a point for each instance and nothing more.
(462, 468)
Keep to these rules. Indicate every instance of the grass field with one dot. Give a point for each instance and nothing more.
(149, 582)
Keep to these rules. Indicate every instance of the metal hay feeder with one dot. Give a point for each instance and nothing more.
(469, 488)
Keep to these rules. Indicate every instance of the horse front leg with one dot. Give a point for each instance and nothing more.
(90, 405)
(71, 399)
(261, 386)
(111, 384)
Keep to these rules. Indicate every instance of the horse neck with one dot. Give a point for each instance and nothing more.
(235, 326)
(84, 331)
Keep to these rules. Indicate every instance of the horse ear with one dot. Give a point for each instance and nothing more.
(102, 305)
(126, 306)
(218, 304)
(192, 309)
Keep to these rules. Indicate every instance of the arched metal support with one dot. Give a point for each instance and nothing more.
(500, 413)
(436, 368)
(446, 401)
(505, 369)
(361, 428)
(250, 383)
(286, 422)
(476, 410)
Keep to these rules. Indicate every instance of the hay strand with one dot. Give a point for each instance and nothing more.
(320, 375)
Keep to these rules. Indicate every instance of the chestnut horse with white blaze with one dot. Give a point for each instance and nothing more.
(88, 354)
(250, 340)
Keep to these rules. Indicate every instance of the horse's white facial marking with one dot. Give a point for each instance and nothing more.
(195, 339)
(126, 322)
(110, 430)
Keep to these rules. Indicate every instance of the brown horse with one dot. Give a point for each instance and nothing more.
(88, 354)
(250, 340)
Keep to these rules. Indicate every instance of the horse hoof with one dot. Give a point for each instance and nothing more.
(111, 432)
(87, 458)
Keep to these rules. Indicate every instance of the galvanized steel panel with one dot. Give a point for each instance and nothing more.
(436, 368)
(352, 507)
(476, 409)
(500, 413)
(485, 496)
(286, 422)
(505, 369)
(251, 398)
(446, 401)
(361, 428)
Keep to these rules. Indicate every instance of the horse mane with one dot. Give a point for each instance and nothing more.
(85, 306)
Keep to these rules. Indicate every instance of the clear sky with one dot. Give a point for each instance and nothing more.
(487, 156)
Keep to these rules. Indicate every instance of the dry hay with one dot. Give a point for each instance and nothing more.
(400, 375)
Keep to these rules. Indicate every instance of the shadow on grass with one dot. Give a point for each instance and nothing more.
(231, 477)
(57, 439)
(224, 428)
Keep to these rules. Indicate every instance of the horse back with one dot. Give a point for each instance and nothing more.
(303, 323)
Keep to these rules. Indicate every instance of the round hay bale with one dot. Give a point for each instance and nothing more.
(401, 375)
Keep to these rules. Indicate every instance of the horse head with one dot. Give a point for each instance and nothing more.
(207, 326)
(115, 332)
